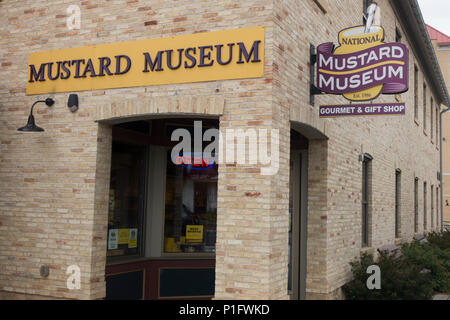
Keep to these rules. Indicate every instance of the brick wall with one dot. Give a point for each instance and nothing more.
(394, 142)
(53, 199)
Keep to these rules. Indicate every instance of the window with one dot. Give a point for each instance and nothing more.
(431, 117)
(437, 207)
(160, 206)
(432, 206)
(398, 175)
(425, 206)
(416, 92)
(416, 205)
(437, 126)
(443, 47)
(366, 197)
(126, 199)
(398, 35)
(191, 207)
(424, 107)
(190, 200)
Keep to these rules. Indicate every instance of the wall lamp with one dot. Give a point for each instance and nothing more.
(31, 125)
(72, 103)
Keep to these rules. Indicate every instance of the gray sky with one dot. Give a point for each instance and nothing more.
(436, 13)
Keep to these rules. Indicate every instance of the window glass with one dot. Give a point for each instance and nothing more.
(431, 118)
(424, 106)
(416, 205)
(432, 206)
(191, 205)
(366, 197)
(425, 225)
(126, 199)
(397, 202)
(437, 207)
(398, 35)
(191, 197)
(437, 126)
(416, 92)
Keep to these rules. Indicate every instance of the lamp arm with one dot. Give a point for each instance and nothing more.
(31, 111)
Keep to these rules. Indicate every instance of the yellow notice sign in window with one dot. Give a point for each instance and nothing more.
(194, 233)
(132, 243)
(124, 235)
(208, 56)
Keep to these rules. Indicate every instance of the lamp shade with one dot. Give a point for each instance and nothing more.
(31, 126)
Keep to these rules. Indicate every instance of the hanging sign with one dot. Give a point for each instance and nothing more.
(361, 68)
(208, 56)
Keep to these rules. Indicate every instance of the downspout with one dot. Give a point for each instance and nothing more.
(441, 175)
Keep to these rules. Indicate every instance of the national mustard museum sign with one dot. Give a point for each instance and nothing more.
(361, 68)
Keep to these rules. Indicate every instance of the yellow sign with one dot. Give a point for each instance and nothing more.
(170, 245)
(194, 233)
(220, 55)
(132, 242)
(124, 235)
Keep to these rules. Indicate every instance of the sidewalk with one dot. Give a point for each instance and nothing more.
(441, 297)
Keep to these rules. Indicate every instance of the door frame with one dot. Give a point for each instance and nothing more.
(299, 223)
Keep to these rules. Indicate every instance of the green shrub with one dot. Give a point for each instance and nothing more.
(441, 240)
(433, 258)
(400, 280)
(422, 269)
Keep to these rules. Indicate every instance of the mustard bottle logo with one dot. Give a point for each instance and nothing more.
(353, 40)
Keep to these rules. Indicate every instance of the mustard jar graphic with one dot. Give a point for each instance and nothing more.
(353, 40)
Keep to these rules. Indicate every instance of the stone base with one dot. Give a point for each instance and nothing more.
(333, 295)
(6, 295)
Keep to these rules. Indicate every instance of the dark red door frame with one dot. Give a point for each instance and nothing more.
(151, 269)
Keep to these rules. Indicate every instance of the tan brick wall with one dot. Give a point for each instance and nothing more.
(53, 199)
(394, 142)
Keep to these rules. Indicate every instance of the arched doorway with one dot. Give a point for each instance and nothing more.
(297, 215)
(306, 148)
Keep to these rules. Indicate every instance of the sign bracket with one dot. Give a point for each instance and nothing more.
(313, 90)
